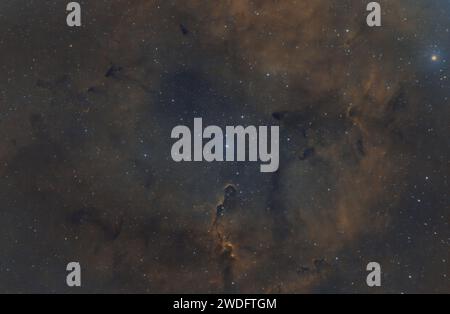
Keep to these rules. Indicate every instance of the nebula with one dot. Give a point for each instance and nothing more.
(86, 173)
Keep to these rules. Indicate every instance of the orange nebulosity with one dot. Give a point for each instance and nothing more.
(148, 224)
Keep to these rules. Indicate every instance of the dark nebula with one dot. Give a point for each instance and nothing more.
(86, 173)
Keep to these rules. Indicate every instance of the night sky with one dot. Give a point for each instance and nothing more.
(86, 173)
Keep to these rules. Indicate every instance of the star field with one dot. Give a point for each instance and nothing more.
(86, 174)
